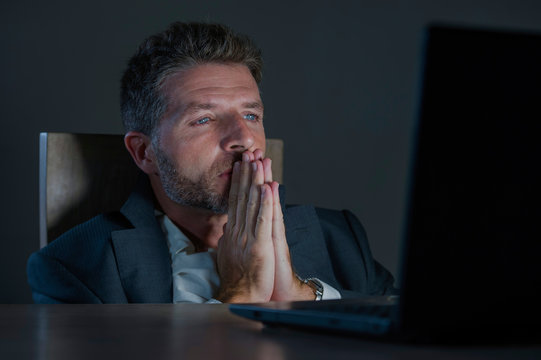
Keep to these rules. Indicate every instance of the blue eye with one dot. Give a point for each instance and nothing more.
(202, 121)
(251, 117)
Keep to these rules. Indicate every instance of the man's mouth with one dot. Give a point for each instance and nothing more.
(227, 173)
(227, 165)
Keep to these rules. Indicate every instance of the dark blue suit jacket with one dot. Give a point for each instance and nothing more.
(122, 257)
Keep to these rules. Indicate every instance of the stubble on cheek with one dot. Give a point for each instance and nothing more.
(205, 192)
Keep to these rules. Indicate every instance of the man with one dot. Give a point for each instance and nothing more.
(206, 223)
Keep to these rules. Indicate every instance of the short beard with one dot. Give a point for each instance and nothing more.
(197, 194)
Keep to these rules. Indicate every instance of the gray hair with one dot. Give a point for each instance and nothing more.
(180, 46)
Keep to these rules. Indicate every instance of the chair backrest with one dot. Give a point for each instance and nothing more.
(83, 175)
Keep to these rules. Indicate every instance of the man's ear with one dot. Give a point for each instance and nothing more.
(140, 148)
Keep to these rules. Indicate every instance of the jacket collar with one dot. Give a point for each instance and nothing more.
(139, 208)
(142, 254)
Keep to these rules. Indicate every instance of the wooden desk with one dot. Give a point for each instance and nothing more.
(194, 332)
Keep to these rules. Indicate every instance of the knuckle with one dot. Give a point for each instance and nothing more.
(267, 201)
(252, 203)
(231, 228)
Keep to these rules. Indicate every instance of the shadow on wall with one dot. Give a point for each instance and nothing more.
(86, 175)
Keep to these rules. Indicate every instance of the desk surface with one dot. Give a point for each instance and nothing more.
(195, 332)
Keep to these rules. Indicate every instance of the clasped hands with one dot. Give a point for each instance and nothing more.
(253, 258)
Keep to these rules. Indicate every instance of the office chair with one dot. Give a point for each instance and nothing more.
(83, 175)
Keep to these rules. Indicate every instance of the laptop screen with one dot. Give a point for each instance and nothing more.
(473, 240)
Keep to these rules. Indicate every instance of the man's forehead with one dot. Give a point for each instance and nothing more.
(211, 77)
(186, 105)
(208, 86)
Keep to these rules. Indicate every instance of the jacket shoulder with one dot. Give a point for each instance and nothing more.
(341, 221)
(346, 240)
(87, 235)
(73, 267)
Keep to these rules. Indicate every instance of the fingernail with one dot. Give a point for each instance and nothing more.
(236, 166)
(254, 166)
(245, 157)
(263, 191)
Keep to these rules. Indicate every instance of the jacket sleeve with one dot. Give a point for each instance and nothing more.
(353, 265)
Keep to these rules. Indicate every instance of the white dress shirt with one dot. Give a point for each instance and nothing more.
(195, 278)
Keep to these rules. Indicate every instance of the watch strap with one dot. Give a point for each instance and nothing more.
(316, 285)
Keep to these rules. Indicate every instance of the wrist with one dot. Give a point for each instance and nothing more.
(315, 287)
(234, 295)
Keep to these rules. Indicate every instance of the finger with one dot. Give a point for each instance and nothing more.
(267, 168)
(244, 189)
(253, 202)
(281, 249)
(258, 175)
(278, 228)
(258, 154)
(263, 228)
(233, 194)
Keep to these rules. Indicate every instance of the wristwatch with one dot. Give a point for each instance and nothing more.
(316, 285)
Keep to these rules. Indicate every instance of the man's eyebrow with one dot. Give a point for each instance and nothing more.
(253, 105)
(196, 106)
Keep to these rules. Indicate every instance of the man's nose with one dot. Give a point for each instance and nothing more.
(237, 135)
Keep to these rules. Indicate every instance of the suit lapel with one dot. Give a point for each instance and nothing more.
(307, 244)
(144, 264)
(142, 254)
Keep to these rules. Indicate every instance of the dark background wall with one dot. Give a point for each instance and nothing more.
(340, 87)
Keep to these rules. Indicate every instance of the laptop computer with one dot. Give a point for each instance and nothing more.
(471, 263)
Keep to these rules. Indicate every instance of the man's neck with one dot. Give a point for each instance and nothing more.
(203, 227)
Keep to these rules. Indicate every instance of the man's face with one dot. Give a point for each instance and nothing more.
(214, 114)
